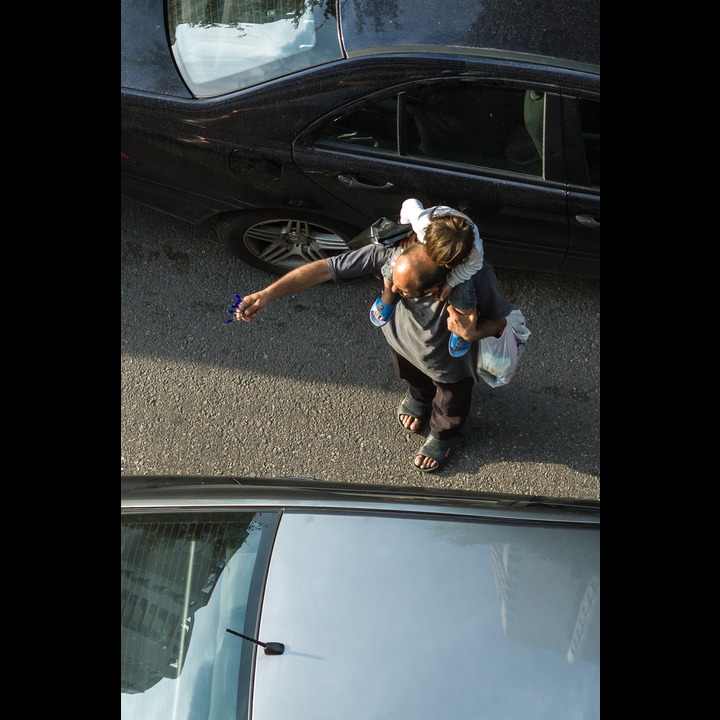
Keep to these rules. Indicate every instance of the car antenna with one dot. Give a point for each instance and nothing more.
(271, 648)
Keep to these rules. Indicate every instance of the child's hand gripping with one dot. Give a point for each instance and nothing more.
(444, 292)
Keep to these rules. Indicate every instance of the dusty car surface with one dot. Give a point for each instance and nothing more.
(295, 124)
(295, 598)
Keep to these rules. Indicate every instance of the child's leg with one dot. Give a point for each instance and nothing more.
(462, 311)
(387, 296)
(463, 299)
(384, 306)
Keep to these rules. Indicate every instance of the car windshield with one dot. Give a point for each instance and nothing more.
(382, 615)
(228, 45)
(186, 581)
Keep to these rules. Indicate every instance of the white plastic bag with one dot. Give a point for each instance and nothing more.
(498, 357)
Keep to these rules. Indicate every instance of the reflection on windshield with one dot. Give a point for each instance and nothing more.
(458, 619)
(526, 591)
(549, 573)
(228, 45)
(184, 581)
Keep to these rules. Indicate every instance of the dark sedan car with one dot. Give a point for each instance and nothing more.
(294, 599)
(297, 123)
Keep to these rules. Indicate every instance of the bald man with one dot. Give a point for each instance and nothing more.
(439, 386)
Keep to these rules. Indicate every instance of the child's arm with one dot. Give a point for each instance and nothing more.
(468, 267)
(446, 290)
(408, 241)
(410, 210)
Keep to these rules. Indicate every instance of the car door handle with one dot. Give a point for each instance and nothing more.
(588, 221)
(352, 182)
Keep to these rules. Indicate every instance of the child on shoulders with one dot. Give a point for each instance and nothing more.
(451, 239)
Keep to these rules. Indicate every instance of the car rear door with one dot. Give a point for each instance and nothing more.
(476, 145)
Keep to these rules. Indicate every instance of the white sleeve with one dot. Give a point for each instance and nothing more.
(410, 210)
(413, 212)
(468, 267)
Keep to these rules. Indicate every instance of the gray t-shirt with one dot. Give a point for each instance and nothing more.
(417, 329)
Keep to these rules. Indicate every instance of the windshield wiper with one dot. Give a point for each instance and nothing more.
(271, 648)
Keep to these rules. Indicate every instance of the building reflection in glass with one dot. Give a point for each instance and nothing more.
(169, 571)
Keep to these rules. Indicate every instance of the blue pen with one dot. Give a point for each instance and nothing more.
(232, 308)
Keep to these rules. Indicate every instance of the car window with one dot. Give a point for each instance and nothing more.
(467, 123)
(590, 123)
(185, 580)
(227, 45)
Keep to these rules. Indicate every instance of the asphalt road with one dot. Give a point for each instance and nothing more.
(307, 389)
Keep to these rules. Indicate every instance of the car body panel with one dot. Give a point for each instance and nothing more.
(146, 63)
(584, 239)
(389, 602)
(504, 208)
(259, 148)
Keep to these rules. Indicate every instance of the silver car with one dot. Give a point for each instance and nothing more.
(295, 599)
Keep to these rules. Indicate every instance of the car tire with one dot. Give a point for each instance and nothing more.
(278, 241)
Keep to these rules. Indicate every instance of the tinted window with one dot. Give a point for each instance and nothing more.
(185, 579)
(466, 123)
(590, 122)
(472, 124)
(226, 45)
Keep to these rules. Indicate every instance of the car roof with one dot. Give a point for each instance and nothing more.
(565, 33)
(414, 602)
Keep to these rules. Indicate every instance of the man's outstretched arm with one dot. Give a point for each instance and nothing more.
(296, 280)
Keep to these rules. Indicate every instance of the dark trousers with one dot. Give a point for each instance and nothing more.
(450, 401)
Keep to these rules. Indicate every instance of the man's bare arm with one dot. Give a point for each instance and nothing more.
(296, 280)
(470, 327)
